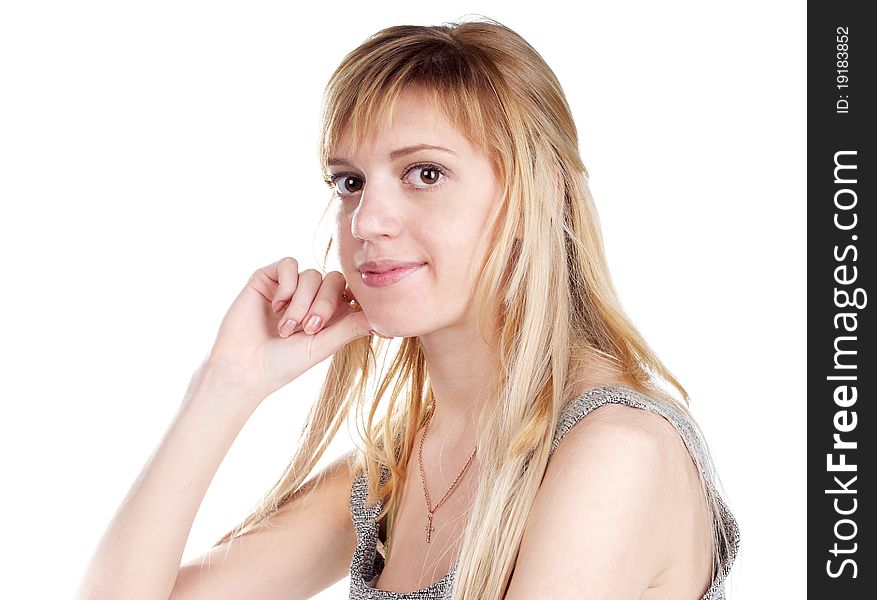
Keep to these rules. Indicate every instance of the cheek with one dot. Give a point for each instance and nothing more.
(345, 249)
(458, 243)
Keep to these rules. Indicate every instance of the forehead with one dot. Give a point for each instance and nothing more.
(414, 120)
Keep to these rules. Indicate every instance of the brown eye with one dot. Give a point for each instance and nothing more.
(348, 184)
(427, 176)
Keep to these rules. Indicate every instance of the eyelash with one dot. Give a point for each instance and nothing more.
(331, 180)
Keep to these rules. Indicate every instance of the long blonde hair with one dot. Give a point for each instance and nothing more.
(545, 294)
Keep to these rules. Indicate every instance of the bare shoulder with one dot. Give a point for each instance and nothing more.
(630, 421)
(606, 519)
(631, 446)
(639, 437)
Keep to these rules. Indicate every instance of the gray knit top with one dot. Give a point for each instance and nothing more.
(368, 563)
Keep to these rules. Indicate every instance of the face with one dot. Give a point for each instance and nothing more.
(424, 206)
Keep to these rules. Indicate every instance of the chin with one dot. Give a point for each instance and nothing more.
(393, 332)
(394, 328)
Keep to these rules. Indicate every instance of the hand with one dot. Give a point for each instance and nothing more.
(264, 352)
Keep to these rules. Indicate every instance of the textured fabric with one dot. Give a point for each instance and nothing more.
(368, 563)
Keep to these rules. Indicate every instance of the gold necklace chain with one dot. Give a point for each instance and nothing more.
(429, 508)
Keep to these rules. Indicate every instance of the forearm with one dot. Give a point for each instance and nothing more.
(139, 555)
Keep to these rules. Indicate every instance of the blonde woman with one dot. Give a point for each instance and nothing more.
(527, 449)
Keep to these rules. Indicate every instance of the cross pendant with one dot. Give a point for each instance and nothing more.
(429, 528)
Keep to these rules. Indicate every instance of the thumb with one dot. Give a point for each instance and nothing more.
(330, 339)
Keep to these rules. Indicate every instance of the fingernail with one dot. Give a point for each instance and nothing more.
(276, 306)
(287, 328)
(313, 324)
(373, 332)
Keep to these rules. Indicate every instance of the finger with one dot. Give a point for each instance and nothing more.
(264, 281)
(325, 303)
(308, 284)
(337, 335)
(287, 281)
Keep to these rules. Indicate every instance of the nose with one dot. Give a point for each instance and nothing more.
(378, 214)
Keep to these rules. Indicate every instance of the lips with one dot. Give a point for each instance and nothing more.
(383, 266)
(391, 276)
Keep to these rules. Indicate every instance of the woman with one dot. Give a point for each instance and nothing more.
(465, 227)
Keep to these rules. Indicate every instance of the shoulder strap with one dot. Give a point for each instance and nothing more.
(617, 394)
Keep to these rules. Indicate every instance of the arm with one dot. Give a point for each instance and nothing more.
(301, 550)
(309, 544)
(139, 555)
(601, 526)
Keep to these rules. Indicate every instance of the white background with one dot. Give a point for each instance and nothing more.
(153, 155)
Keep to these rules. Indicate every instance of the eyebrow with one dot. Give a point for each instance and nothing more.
(397, 153)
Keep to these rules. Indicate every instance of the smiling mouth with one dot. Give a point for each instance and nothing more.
(391, 266)
(390, 277)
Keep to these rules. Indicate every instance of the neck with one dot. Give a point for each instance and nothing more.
(461, 369)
